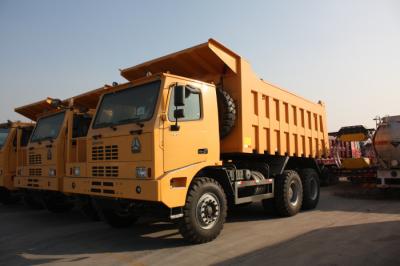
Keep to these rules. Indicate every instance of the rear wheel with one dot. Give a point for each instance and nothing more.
(119, 218)
(288, 193)
(311, 191)
(205, 211)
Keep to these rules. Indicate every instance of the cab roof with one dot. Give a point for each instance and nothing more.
(16, 124)
(33, 110)
(205, 59)
(87, 100)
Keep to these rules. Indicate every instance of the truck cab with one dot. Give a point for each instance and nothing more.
(14, 137)
(135, 147)
(56, 141)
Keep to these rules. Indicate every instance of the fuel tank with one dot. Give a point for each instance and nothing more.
(386, 141)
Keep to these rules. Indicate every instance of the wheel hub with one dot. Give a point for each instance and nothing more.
(313, 189)
(293, 193)
(207, 210)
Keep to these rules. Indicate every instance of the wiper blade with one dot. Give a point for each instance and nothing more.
(48, 138)
(134, 119)
(105, 124)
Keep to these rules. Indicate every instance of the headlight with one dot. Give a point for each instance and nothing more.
(141, 172)
(52, 172)
(77, 171)
(394, 163)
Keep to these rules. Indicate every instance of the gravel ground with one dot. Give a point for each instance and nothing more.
(352, 225)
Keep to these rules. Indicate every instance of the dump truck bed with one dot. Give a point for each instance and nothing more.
(270, 120)
(276, 121)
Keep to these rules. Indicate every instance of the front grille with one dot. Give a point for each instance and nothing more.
(35, 159)
(105, 171)
(108, 152)
(105, 187)
(35, 171)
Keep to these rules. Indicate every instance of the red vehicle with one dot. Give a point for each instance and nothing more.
(351, 156)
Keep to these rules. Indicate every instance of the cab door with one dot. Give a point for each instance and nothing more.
(185, 142)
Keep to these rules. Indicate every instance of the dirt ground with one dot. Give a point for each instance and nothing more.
(351, 226)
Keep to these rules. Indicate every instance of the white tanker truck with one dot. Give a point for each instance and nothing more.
(386, 143)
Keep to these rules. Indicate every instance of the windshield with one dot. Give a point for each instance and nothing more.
(3, 136)
(47, 128)
(134, 104)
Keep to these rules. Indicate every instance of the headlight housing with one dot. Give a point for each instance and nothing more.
(77, 171)
(52, 172)
(141, 172)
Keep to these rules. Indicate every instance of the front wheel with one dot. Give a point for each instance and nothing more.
(88, 208)
(205, 211)
(7, 197)
(119, 218)
(32, 201)
(57, 203)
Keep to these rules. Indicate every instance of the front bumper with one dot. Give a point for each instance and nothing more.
(109, 187)
(7, 182)
(143, 190)
(388, 178)
(38, 183)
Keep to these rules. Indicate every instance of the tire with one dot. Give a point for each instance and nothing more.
(7, 197)
(88, 209)
(32, 202)
(311, 188)
(57, 203)
(118, 218)
(3, 195)
(205, 195)
(288, 193)
(226, 112)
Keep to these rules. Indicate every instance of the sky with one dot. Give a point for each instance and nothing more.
(345, 53)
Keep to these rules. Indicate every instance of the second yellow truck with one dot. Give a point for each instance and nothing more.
(58, 139)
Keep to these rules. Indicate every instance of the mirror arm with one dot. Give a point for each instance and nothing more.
(176, 126)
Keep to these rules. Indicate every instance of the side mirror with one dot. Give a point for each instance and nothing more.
(179, 113)
(179, 95)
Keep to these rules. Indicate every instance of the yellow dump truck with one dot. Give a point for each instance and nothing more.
(14, 137)
(194, 132)
(58, 139)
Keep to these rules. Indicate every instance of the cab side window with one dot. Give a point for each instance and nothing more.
(192, 108)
